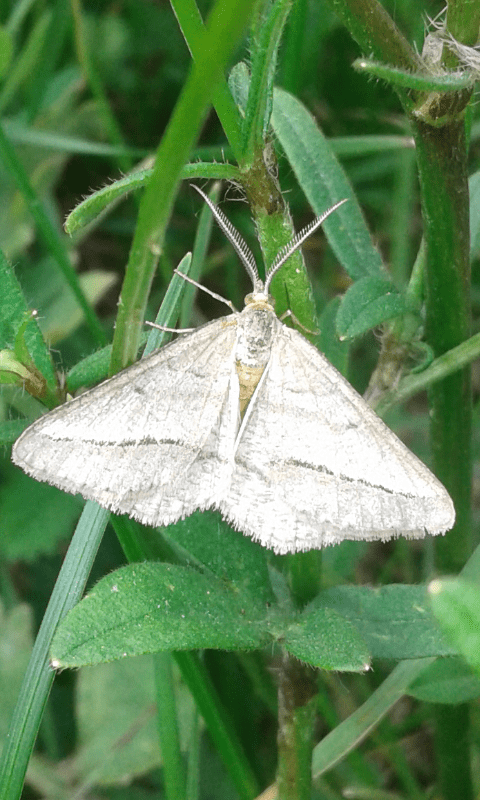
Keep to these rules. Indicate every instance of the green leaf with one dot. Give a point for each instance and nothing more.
(105, 199)
(324, 639)
(456, 605)
(394, 620)
(324, 183)
(426, 82)
(366, 304)
(239, 84)
(265, 43)
(34, 517)
(10, 430)
(336, 351)
(447, 680)
(14, 310)
(352, 731)
(117, 731)
(231, 556)
(149, 607)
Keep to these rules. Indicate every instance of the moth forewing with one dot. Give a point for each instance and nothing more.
(245, 416)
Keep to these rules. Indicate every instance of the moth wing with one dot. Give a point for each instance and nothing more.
(154, 441)
(315, 465)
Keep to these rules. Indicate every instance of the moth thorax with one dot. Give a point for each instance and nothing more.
(254, 342)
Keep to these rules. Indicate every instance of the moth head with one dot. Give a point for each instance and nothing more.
(259, 299)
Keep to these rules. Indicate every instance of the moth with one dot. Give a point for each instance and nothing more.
(242, 415)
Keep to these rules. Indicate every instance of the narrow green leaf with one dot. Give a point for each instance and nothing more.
(106, 198)
(393, 620)
(150, 607)
(350, 733)
(266, 40)
(14, 312)
(39, 676)
(168, 728)
(324, 639)
(447, 680)
(456, 604)
(369, 302)
(426, 82)
(336, 351)
(324, 183)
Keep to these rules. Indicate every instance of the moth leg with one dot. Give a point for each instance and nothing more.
(208, 291)
(291, 315)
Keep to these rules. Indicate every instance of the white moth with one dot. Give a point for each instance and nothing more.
(243, 415)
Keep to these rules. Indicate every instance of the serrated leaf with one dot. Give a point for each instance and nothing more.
(366, 304)
(151, 607)
(324, 183)
(324, 639)
(456, 605)
(447, 680)
(395, 621)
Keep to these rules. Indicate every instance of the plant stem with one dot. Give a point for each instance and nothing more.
(296, 715)
(441, 153)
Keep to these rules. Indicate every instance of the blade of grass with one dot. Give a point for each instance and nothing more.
(39, 676)
(173, 765)
(219, 726)
(193, 30)
(225, 27)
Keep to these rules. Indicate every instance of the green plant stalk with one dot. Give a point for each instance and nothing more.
(226, 24)
(296, 717)
(463, 22)
(49, 234)
(39, 676)
(219, 726)
(173, 766)
(376, 33)
(441, 154)
(441, 368)
(193, 30)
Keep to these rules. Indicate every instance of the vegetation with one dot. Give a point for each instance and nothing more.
(109, 111)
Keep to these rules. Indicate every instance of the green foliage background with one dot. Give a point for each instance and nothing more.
(88, 93)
